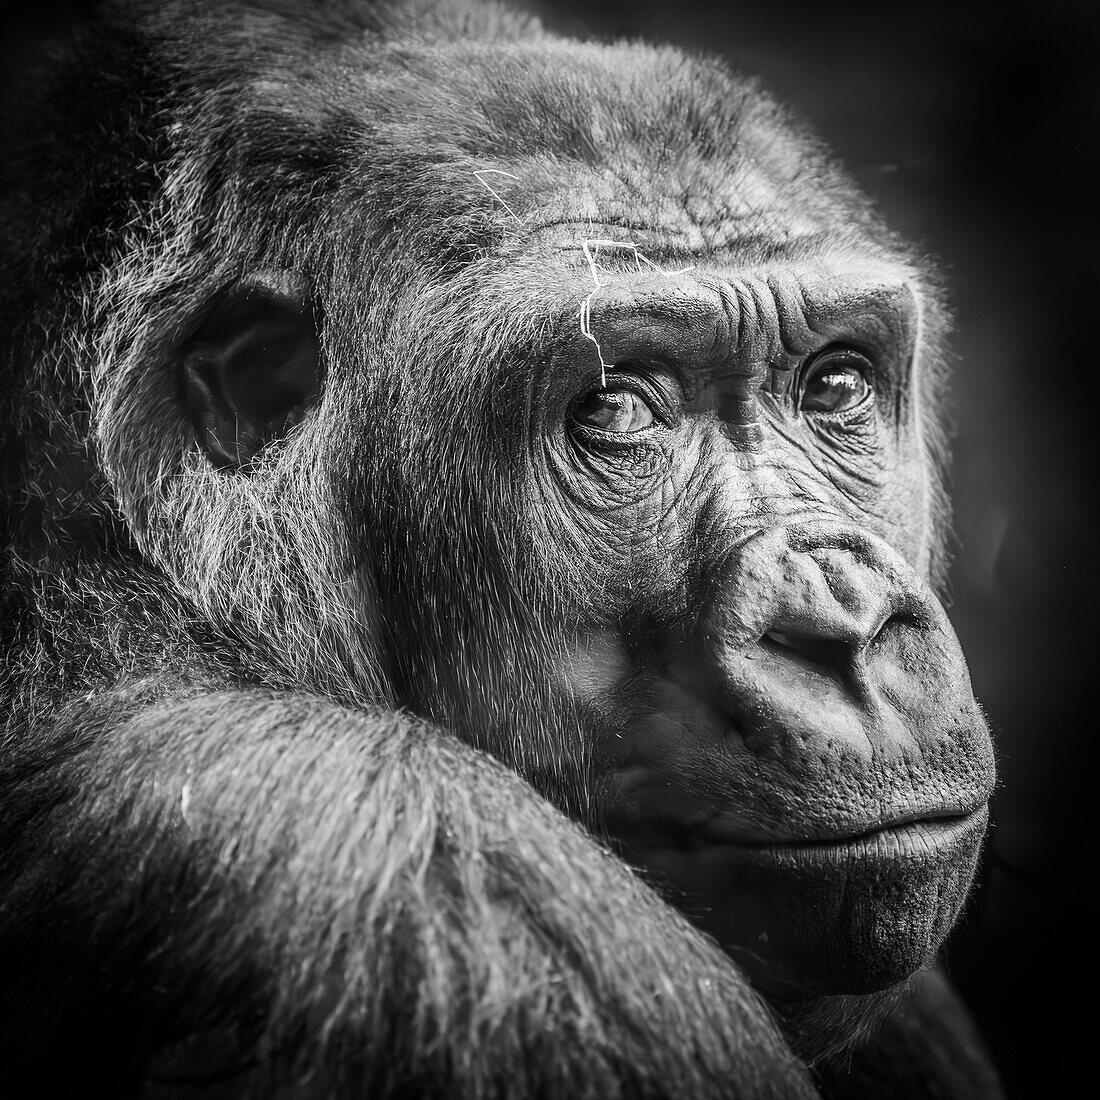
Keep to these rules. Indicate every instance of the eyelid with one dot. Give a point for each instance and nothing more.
(637, 383)
(660, 390)
(839, 355)
(617, 400)
(628, 403)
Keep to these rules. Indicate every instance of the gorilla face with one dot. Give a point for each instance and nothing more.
(781, 719)
(627, 405)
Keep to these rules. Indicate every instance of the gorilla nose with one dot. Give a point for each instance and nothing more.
(819, 620)
(821, 591)
(827, 602)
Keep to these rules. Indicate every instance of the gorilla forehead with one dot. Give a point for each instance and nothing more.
(634, 136)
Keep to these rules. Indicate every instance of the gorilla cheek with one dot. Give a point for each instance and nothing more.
(832, 918)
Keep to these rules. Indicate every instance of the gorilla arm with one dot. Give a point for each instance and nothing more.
(379, 902)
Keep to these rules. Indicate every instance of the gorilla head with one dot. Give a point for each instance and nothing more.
(566, 396)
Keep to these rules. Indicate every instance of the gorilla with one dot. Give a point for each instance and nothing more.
(473, 502)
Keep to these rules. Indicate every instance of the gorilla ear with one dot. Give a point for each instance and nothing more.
(251, 371)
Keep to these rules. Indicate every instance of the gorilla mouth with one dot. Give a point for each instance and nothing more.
(904, 837)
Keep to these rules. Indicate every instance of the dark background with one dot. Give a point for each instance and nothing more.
(977, 132)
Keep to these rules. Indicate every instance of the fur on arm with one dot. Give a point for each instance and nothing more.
(378, 902)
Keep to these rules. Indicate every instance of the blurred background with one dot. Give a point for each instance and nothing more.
(976, 130)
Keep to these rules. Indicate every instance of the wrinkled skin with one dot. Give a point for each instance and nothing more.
(791, 738)
(446, 378)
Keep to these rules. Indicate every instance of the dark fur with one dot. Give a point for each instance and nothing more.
(235, 839)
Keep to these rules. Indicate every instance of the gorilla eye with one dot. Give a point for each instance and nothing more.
(620, 411)
(836, 381)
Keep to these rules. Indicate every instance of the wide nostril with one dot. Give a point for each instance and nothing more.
(831, 656)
